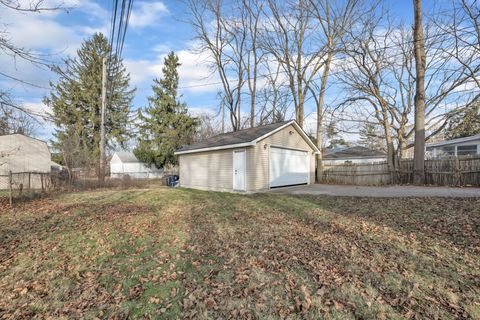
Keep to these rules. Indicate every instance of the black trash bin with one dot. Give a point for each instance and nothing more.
(171, 180)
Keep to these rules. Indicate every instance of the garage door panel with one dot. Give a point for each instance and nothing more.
(288, 167)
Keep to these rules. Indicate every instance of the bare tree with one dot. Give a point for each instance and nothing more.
(75, 154)
(208, 126)
(335, 19)
(223, 36)
(461, 27)
(14, 121)
(365, 76)
(379, 76)
(420, 62)
(290, 37)
(274, 96)
(9, 48)
(251, 21)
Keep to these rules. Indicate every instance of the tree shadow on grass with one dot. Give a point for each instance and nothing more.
(339, 263)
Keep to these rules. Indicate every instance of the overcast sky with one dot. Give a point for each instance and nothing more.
(155, 28)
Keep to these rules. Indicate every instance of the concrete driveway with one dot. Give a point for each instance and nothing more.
(380, 192)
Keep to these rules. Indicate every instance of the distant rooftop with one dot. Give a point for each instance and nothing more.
(126, 156)
(454, 141)
(353, 152)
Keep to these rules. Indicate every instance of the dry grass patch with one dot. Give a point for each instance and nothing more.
(165, 253)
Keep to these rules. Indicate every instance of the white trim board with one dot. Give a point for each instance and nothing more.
(453, 141)
(227, 146)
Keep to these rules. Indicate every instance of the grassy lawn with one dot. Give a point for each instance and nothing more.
(172, 253)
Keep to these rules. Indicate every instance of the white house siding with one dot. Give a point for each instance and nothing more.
(435, 151)
(139, 170)
(19, 153)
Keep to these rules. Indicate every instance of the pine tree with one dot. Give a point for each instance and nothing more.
(333, 136)
(75, 101)
(466, 123)
(370, 137)
(165, 124)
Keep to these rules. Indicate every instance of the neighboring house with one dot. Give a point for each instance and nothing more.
(468, 146)
(250, 160)
(22, 154)
(356, 154)
(126, 164)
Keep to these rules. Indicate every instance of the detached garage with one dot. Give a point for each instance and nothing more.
(250, 160)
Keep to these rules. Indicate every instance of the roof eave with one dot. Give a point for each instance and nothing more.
(227, 146)
(356, 157)
(453, 141)
(255, 141)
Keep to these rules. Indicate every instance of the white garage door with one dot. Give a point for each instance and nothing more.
(288, 167)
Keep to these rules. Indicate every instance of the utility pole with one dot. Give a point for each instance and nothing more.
(420, 61)
(102, 121)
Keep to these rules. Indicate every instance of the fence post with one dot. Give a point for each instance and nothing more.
(29, 182)
(10, 188)
(41, 179)
(458, 173)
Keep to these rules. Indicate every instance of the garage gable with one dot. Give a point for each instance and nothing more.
(281, 136)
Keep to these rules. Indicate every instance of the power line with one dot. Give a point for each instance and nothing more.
(119, 24)
(23, 81)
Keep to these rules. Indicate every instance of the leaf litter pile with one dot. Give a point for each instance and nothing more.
(169, 253)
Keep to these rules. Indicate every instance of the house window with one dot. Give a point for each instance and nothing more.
(445, 151)
(466, 150)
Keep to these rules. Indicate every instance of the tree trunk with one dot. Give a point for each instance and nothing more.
(321, 98)
(419, 149)
(252, 110)
(300, 109)
(388, 142)
(300, 90)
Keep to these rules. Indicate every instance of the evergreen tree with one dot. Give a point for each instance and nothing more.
(75, 102)
(370, 137)
(334, 138)
(466, 123)
(165, 124)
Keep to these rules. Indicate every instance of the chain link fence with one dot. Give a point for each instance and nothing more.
(18, 187)
(22, 185)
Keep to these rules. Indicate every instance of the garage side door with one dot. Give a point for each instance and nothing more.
(288, 167)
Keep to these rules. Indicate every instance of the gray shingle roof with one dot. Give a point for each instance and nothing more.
(454, 141)
(353, 152)
(126, 156)
(236, 137)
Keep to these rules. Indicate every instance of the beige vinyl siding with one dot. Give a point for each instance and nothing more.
(258, 157)
(211, 170)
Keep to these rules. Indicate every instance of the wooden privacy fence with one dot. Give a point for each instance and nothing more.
(442, 172)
